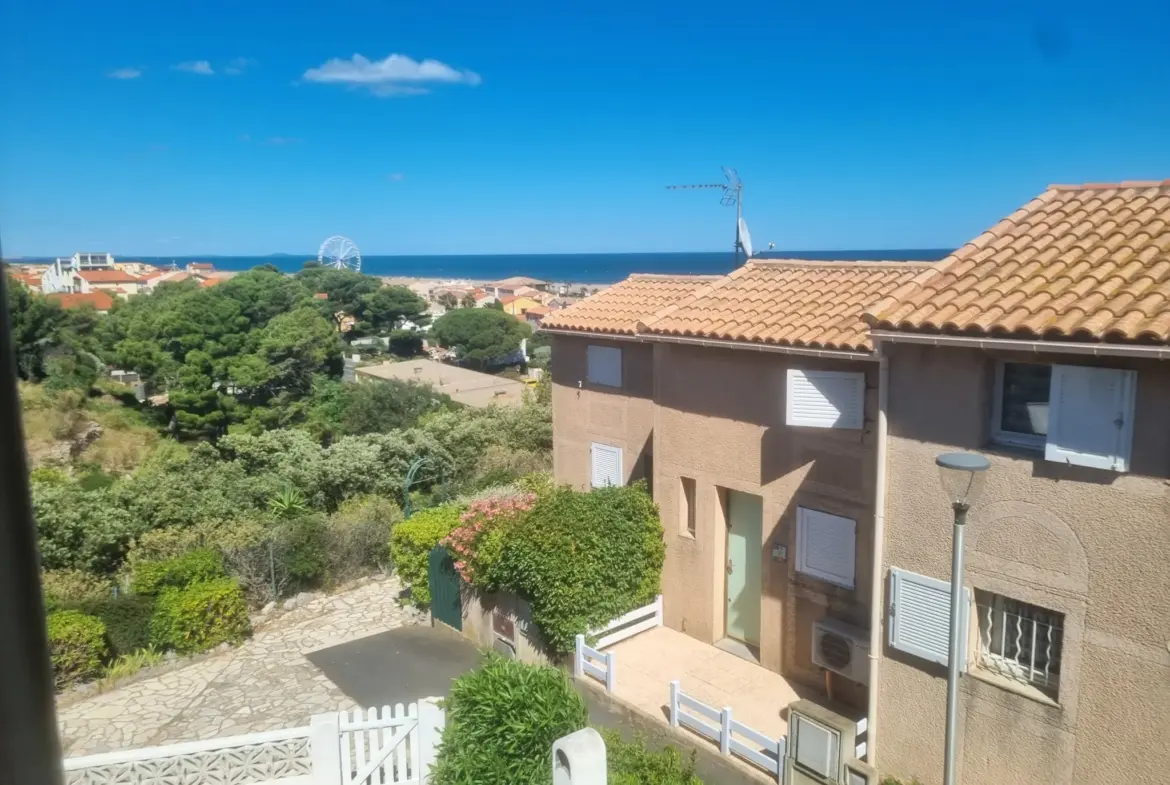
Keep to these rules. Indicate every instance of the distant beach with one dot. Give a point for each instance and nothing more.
(602, 268)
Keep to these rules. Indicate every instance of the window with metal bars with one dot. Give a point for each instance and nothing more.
(1021, 642)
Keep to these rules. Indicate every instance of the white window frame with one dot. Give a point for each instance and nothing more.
(855, 378)
(1028, 441)
(621, 476)
(594, 351)
(803, 523)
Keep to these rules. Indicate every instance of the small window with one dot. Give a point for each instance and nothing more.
(1021, 404)
(1019, 641)
(1076, 414)
(606, 465)
(686, 502)
(826, 546)
(604, 365)
(825, 399)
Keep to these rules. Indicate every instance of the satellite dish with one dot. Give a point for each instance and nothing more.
(745, 238)
(340, 253)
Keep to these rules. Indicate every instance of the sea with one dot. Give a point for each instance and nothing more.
(591, 268)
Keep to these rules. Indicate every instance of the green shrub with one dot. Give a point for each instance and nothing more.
(199, 617)
(502, 720)
(356, 536)
(62, 587)
(303, 551)
(126, 617)
(632, 763)
(582, 559)
(77, 645)
(411, 542)
(201, 564)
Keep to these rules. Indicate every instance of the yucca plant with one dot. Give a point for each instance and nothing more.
(287, 503)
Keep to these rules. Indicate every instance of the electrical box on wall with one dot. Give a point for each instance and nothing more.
(779, 552)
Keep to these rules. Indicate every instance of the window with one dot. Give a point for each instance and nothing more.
(686, 506)
(919, 617)
(606, 464)
(1076, 414)
(1019, 641)
(604, 365)
(825, 399)
(826, 546)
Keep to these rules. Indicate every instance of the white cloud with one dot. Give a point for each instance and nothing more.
(394, 75)
(238, 65)
(201, 67)
(125, 73)
(280, 141)
(397, 177)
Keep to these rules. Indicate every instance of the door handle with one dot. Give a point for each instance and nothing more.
(729, 566)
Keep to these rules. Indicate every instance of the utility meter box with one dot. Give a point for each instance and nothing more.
(824, 747)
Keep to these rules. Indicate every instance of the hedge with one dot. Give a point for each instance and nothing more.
(152, 577)
(199, 617)
(632, 763)
(77, 646)
(502, 720)
(582, 559)
(411, 542)
(126, 617)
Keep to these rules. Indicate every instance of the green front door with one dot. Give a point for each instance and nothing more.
(444, 583)
(745, 534)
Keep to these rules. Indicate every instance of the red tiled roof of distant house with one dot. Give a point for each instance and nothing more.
(201, 266)
(28, 279)
(99, 300)
(321, 296)
(108, 276)
(209, 282)
(508, 298)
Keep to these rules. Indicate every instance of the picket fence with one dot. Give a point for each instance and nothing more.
(760, 750)
(627, 626)
(589, 661)
(387, 746)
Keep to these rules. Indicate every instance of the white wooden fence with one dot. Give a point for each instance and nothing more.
(368, 747)
(759, 750)
(627, 626)
(598, 664)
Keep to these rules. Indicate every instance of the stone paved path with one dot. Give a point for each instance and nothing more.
(266, 684)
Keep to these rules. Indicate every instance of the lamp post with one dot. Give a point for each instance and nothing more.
(962, 475)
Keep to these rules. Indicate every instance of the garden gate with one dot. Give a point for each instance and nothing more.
(444, 581)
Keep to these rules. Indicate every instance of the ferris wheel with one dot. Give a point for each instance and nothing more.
(340, 253)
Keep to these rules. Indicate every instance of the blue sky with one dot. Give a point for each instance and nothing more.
(241, 127)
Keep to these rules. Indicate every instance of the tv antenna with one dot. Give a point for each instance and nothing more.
(732, 197)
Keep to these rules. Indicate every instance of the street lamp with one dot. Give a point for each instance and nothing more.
(963, 476)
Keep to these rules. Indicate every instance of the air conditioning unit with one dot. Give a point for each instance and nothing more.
(841, 648)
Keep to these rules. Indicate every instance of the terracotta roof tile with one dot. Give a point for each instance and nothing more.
(108, 276)
(99, 300)
(788, 303)
(619, 308)
(1077, 262)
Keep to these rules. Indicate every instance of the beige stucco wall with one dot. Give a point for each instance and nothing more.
(719, 420)
(1091, 544)
(584, 413)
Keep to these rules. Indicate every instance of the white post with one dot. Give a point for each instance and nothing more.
(674, 691)
(431, 721)
(578, 657)
(325, 749)
(658, 610)
(609, 677)
(725, 731)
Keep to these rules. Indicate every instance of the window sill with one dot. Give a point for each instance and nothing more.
(1011, 685)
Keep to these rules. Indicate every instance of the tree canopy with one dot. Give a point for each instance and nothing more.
(481, 336)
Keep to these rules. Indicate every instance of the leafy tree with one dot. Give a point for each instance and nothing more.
(448, 300)
(405, 343)
(496, 305)
(34, 323)
(79, 529)
(265, 292)
(480, 335)
(468, 300)
(386, 405)
(388, 307)
(344, 290)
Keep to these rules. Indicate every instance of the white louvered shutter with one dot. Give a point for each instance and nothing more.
(607, 465)
(1090, 417)
(826, 546)
(604, 365)
(919, 618)
(825, 399)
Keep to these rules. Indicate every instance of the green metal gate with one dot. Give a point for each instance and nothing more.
(444, 582)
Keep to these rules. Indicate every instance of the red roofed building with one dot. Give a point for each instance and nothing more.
(110, 281)
(100, 301)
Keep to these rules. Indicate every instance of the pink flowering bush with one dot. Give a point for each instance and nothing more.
(477, 542)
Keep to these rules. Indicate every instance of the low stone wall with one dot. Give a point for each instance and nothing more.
(503, 622)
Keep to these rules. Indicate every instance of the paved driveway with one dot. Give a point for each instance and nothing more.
(268, 683)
